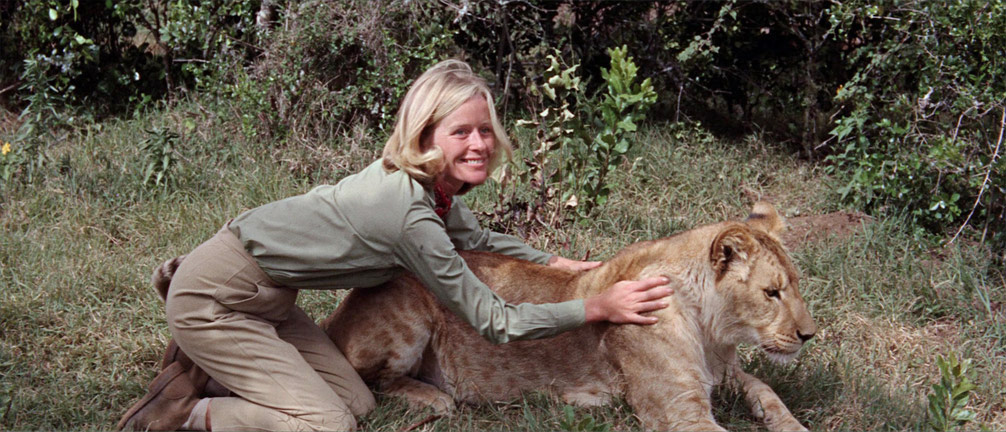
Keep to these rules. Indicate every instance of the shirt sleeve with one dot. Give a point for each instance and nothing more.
(427, 251)
(466, 234)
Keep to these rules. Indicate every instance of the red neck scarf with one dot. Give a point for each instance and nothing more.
(442, 201)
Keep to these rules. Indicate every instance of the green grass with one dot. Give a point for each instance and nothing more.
(81, 330)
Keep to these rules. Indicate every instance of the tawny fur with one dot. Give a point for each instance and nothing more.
(734, 284)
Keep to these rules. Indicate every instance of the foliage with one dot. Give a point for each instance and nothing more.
(586, 423)
(331, 65)
(948, 403)
(921, 122)
(580, 140)
(555, 129)
(159, 151)
(76, 54)
(623, 103)
(196, 41)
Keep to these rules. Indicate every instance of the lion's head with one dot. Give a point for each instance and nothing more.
(758, 286)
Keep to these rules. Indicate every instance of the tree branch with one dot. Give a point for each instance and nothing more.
(13, 86)
(995, 155)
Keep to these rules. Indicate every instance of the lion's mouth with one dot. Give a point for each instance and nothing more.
(777, 354)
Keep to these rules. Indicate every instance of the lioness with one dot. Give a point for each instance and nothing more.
(735, 284)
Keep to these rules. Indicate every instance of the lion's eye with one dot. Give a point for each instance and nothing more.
(772, 292)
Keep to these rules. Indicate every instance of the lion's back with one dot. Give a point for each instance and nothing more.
(401, 321)
(519, 281)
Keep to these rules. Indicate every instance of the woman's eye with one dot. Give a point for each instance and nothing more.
(460, 132)
(485, 131)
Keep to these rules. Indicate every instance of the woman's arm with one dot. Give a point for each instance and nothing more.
(425, 249)
(466, 234)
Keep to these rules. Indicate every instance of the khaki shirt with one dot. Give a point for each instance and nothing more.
(371, 226)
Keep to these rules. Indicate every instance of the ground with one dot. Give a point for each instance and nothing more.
(806, 229)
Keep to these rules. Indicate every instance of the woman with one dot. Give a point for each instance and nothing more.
(230, 305)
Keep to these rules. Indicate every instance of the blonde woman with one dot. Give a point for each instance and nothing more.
(231, 303)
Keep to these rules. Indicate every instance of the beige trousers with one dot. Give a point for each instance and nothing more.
(247, 333)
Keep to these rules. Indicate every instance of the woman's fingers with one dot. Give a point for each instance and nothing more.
(649, 297)
(625, 301)
(650, 306)
(641, 320)
(652, 288)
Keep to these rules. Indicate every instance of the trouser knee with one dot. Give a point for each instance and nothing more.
(362, 404)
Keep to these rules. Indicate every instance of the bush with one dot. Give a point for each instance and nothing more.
(331, 65)
(922, 118)
(74, 54)
(581, 138)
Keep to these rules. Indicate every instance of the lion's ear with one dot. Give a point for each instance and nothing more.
(764, 217)
(731, 248)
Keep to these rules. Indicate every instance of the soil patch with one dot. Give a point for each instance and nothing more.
(802, 230)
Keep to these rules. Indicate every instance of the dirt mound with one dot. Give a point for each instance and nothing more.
(806, 229)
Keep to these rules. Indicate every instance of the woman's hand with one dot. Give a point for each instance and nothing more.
(625, 301)
(568, 264)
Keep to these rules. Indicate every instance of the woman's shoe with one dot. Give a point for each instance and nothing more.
(167, 404)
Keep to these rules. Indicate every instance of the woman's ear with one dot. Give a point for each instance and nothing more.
(426, 137)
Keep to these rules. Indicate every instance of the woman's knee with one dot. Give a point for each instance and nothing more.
(338, 420)
(362, 403)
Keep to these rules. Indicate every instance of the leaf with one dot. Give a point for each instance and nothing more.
(572, 202)
(962, 389)
(627, 125)
(622, 146)
(53, 15)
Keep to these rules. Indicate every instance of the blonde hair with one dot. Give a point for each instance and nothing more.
(435, 95)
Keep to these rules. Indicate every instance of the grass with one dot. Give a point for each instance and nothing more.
(81, 330)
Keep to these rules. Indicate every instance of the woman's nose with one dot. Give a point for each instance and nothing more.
(480, 141)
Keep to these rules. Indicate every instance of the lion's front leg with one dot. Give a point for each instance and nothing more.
(765, 404)
(419, 394)
(663, 378)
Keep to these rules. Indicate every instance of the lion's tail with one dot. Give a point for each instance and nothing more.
(163, 274)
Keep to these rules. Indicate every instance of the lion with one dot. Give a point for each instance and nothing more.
(734, 283)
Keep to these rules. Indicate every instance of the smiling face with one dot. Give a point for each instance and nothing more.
(467, 141)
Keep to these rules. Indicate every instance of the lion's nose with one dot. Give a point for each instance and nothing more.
(804, 337)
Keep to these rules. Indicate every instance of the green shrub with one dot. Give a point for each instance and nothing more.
(948, 403)
(623, 102)
(922, 117)
(159, 151)
(580, 140)
(79, 54)
(330, 65)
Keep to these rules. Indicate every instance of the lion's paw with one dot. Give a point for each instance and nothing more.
(421, 395)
